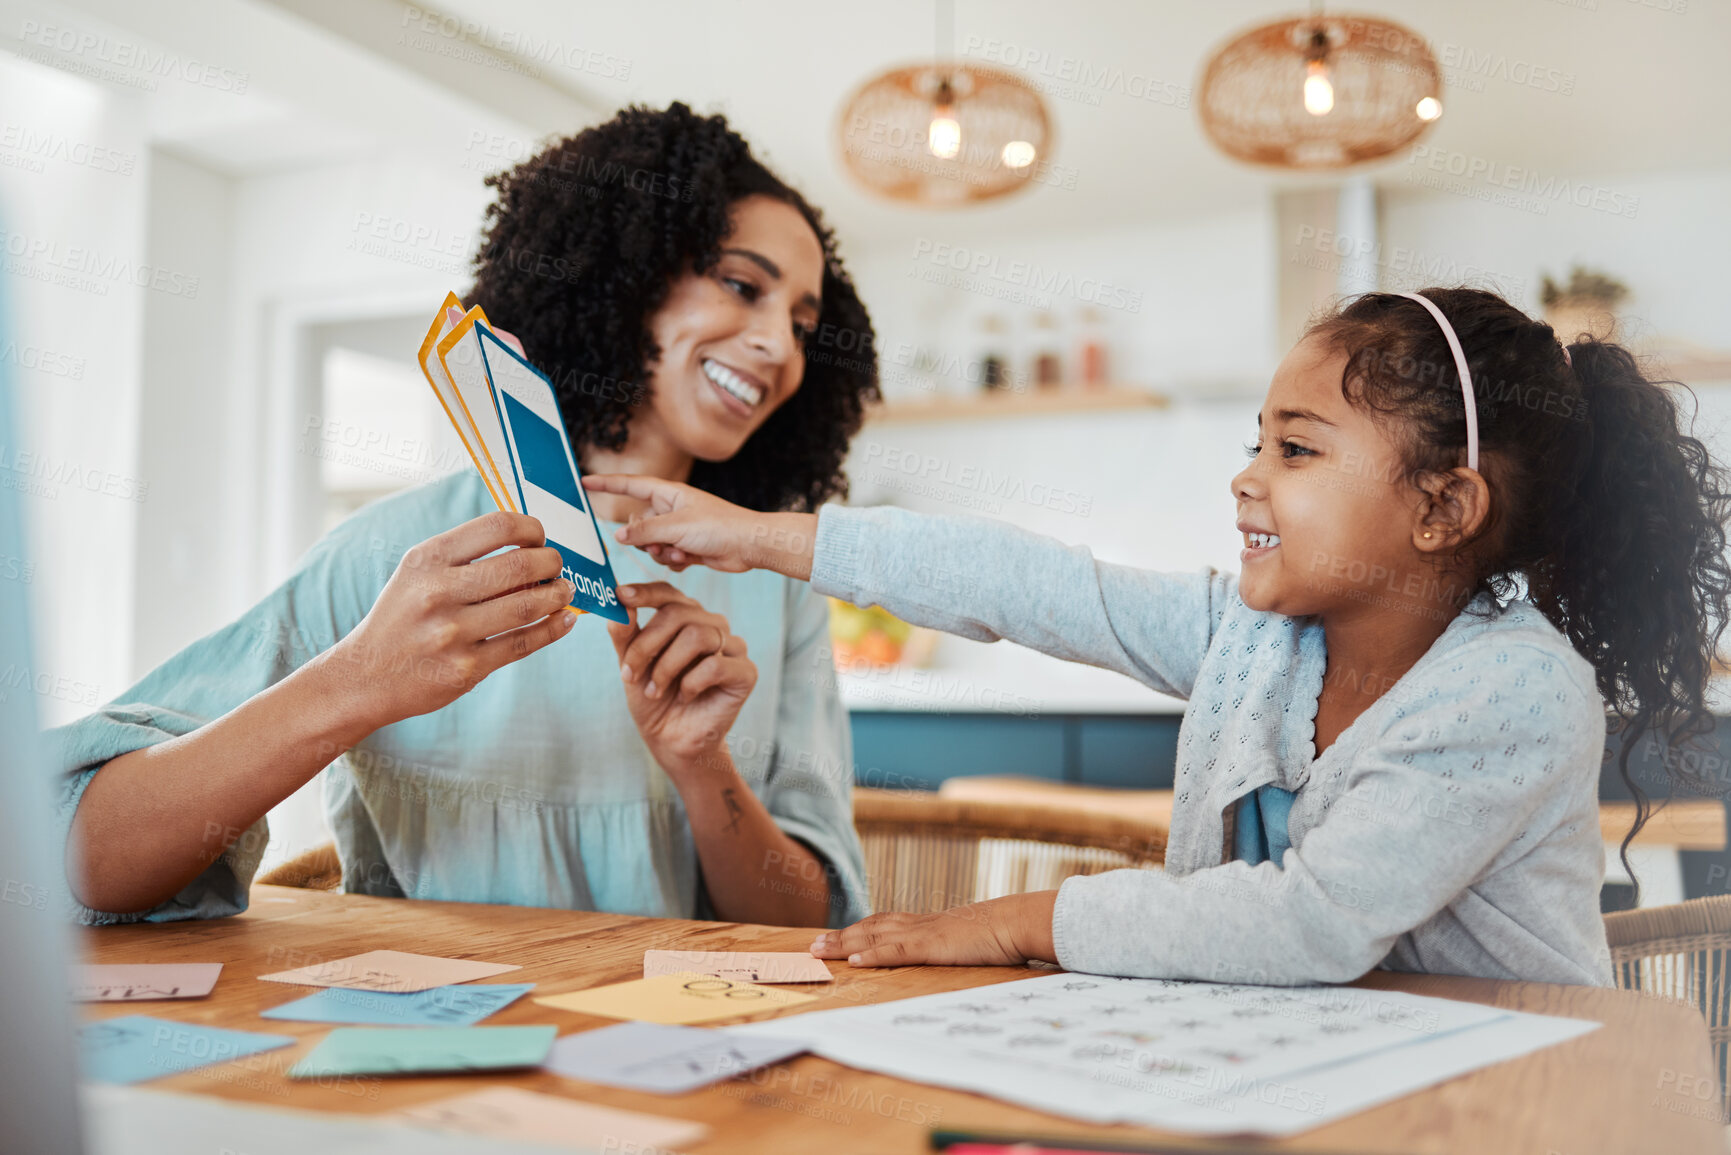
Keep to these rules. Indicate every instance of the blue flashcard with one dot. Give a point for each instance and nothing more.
(664, 1059)
(134, 1048)
(462, 1005)
(407, 1050)
(548, 483)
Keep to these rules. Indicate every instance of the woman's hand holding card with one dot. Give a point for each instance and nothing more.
(686, 675)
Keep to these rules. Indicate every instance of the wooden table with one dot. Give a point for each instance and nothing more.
(1625, 1087)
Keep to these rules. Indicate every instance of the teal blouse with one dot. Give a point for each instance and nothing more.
(1259, 831)
(533, 789)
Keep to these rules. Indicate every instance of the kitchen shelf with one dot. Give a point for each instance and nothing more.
(1077, 399)
(1695, 369)
(1673, 359)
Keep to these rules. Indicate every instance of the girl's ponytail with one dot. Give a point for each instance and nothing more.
(1638, 579)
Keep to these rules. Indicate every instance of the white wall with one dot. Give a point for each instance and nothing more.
(1187, 306)
(1143, 487)
(188, 568)
(1672, 251)
(75, 253)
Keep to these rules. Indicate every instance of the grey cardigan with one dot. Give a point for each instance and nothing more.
(1452, 828)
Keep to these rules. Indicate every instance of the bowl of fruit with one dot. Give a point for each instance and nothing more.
(874, 637)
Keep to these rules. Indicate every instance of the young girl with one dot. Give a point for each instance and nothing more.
(1461, 540)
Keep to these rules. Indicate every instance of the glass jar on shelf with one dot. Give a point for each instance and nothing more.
(1045, 354)
(993, 354)
(1091, 361)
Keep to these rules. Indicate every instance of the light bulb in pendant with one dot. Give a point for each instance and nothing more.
(944, 135)
(1318, 92)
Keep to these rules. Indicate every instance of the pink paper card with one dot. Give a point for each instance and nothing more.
(390, 970)
(138, 982)
(744, 966)
(531, 1117)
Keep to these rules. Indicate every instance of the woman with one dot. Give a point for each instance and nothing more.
(481, 754)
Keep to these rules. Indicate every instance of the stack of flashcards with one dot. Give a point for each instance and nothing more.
(507, 415)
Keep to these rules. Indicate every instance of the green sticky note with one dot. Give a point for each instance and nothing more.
(411, 1050)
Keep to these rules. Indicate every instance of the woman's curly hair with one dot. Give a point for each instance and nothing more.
(580, 250)
(1605, 513)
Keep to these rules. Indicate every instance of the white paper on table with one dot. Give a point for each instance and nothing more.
(662, 1058)
(1199, 1057)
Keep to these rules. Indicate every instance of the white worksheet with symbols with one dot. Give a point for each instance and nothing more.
(1210, 1058)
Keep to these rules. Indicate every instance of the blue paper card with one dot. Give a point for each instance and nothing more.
(407, 1050)
(134, 1048)
(547, 480)
(452, 1006)
(668, 1060)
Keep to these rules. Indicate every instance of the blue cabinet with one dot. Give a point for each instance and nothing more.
(917, 750)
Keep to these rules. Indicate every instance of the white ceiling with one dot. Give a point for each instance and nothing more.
(1649, 88)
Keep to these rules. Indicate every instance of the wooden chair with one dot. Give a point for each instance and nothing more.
(1680, 952)
(927, 853)
(315, 869)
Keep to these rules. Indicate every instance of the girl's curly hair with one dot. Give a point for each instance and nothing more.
(1604, 511)
(580, 249)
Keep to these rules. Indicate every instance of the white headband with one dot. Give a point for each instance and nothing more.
(1465, 376)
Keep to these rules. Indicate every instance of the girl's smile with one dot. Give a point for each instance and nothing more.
(1257, 543)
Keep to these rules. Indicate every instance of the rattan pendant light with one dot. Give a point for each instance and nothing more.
(944, 132)
(1320, 91)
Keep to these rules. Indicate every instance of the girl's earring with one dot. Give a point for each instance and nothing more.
(1427, 533)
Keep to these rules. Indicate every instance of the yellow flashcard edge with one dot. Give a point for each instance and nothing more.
(474, 316)
(470, 319)
(468, 436)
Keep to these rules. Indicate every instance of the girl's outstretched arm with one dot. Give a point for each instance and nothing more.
(687, 526)
(969, 576)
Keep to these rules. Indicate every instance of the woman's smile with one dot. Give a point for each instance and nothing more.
(740, 391)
